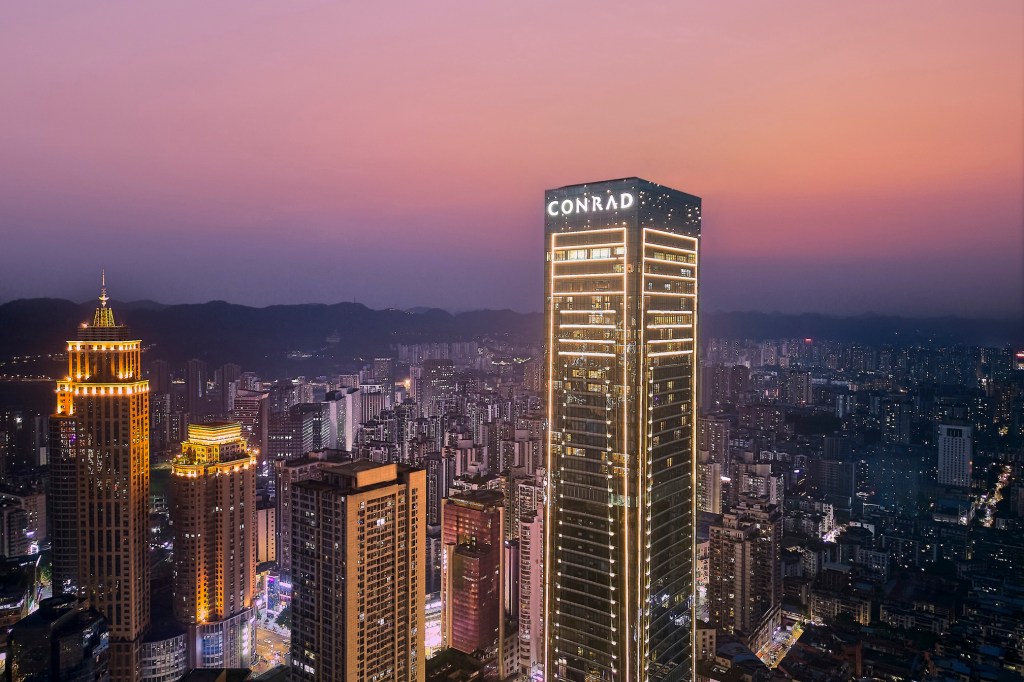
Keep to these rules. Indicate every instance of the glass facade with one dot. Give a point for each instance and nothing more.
(621, 311)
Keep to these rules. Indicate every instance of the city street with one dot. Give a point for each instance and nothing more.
(773, 653)
(271, 650)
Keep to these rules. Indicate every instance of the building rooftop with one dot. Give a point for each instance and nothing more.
(479, 499)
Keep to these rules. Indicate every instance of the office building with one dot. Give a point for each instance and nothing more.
(472, 591)
(357, 552)
(213, 488)
(108, 441)
(621, 306)
(956, 450)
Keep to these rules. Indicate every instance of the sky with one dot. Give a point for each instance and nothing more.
(852, 157)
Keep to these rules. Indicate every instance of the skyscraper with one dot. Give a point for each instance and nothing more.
(531, 590)
(213, 488)
(621, 307)
(288, 472)
(107, 447)
(472, 599)
(744, 578)
(357, 548)
(956, 450)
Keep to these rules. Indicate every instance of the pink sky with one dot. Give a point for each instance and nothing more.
(851, 156)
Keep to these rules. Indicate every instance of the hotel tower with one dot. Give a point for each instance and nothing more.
(621, 312)
(100, 492)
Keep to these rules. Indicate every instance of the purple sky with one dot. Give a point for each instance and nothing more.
(852, 157)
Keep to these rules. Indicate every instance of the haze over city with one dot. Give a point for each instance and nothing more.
(852, 157)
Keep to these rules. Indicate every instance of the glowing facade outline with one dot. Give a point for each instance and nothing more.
(621, 307)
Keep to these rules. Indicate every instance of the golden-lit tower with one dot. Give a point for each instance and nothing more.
(621, 310)
(103, 421)
(213, 487)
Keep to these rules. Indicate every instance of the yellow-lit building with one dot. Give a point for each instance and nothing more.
(358, 552)
(100, 452)
(213, 488)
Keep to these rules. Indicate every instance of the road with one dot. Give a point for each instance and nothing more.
(988, 503)
(771, 654)
(271, 650)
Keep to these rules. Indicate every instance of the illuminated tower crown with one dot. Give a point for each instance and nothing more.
(104, 316)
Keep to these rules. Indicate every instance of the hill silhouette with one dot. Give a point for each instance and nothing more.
(262, 338)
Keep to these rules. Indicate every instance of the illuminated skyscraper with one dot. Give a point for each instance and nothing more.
(103, 424)
(621, 306)
(213, 488)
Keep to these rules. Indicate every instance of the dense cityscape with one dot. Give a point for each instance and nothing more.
(460, 341)
(590, 504)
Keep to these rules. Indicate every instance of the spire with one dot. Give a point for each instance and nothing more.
(104, 316)
(103, 289)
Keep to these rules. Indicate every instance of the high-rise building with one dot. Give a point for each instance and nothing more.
(213, 490)
(531, 591)
(287, 473)
(440, 476)
(744, 575)
(829, 477)
(437, 387)
(252, 411)
(357, 566)
(227, 384)
(472, 598)
(62, 504)
(956, 450)
(14, 540)
(195, 389)
(62, 640)
(108, 442)
(621, 307)
(709, 487)
(344, 407)
(713, 438)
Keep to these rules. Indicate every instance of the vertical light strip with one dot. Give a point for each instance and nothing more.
(626, 555)
(549, 536)
(694, 362)
(643, 576)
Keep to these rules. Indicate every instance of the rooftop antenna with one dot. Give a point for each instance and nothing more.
(103, 288)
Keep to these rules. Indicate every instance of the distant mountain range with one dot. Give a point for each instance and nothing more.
(262, 338)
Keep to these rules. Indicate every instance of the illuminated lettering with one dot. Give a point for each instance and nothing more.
(594, 204)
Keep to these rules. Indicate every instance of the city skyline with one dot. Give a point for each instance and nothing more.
(422, 369)
(821, 137)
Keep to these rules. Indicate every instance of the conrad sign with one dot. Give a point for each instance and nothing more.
(590, 204)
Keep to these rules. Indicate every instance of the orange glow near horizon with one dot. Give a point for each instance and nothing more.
(821, 136)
